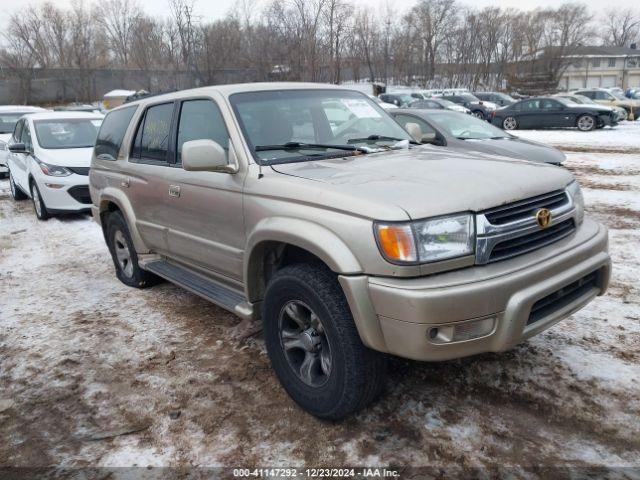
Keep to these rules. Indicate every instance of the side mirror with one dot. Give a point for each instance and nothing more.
(205, 156)
(414, 130)
(17, 148)
(428, 138)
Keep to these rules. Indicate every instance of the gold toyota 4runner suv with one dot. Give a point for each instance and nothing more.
(309, 207)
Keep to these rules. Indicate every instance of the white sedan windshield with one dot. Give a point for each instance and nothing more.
(67, 133)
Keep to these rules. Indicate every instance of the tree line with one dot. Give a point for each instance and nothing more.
(433, 43)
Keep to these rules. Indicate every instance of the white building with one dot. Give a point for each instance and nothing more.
(603, 67)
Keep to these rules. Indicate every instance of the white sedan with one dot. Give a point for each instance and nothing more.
(50, 155)
(9, 116)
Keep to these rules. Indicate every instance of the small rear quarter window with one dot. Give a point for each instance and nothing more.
(111, 133)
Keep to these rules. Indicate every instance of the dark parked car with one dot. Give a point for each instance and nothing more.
(397, 99)
(550, 112)
(478, 108)
(456, 130)
(500, 99)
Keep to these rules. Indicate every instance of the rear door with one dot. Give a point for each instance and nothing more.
(204, 209)
(530, 114)
(146, 183)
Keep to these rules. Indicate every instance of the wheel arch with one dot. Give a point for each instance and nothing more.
(276, 242)
(113, 200)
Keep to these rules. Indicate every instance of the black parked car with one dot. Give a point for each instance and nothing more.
(500, 99)
(547, 112)
(478, 108)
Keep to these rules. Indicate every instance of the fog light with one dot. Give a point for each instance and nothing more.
(462, 331)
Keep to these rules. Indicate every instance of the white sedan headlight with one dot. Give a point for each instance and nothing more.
(575, 192)
(426, 241)
(53, 170)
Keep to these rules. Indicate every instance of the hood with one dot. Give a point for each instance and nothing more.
(420, 182)
(66, 157)
(514, 148)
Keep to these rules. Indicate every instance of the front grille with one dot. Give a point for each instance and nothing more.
(526, 208)
(532, 241)
(563, 297)
(79, 170)
(80, 193)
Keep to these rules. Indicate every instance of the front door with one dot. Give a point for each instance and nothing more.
(204, 209)
(20, 161)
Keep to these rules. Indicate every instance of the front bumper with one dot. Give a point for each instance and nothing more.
(398, 315)
(64, 194)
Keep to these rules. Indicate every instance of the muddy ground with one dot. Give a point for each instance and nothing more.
(93, 373)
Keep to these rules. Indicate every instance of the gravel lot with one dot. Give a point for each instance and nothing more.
(93, 373)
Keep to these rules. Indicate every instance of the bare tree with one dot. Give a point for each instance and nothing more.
(119, 20)
(622, 27)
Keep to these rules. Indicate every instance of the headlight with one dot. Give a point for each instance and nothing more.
(428, 240)
(578, 201)
(52, 170)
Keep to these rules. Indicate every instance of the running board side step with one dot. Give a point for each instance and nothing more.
(208, 289)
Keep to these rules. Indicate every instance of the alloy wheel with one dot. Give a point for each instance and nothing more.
(35, 195)
(304, 343)
(510, 123)
(586, 123)
(479, 115)
(123, 255)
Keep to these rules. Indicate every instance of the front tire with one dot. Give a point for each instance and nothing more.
(38, 203)
(16, 193)
(509, 123)
(123, 253)
(586, 123)
(314, 346)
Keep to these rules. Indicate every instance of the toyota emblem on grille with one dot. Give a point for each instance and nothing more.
(543, 217)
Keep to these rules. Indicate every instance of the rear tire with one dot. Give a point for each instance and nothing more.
(16, 193)
(123, 253)
(509, 123)
(478, 114)
(38, 203)
(307, 321)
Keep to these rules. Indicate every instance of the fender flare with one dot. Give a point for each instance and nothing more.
(318, 240)
(115, 196)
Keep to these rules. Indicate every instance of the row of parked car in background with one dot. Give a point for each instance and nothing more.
(586, 109)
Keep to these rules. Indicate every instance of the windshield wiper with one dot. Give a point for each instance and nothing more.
(373, 138)
(302, 145)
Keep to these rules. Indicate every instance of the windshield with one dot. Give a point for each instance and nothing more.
(313, 124)
(618, 95)
(565, 101)
(8, 121)
(67, 133)
(584, 100)
(466, 127)
(447, 103)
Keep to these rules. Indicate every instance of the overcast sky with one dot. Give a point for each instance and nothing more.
(211, 9)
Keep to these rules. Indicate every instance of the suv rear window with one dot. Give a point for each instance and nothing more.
(111, 133)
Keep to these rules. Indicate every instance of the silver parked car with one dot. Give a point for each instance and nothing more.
(464, 132)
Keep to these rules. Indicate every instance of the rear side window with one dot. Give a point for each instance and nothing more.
(201, 120)
(152, 138)
(111, 133)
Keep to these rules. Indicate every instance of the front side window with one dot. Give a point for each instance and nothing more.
(152, 138)
(424, 126)
(111, 133)
(67, 133)
(25, 137)
(277, 124)
(201, 120)
(17, 133)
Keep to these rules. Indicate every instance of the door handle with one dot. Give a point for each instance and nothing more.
(174, 190)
